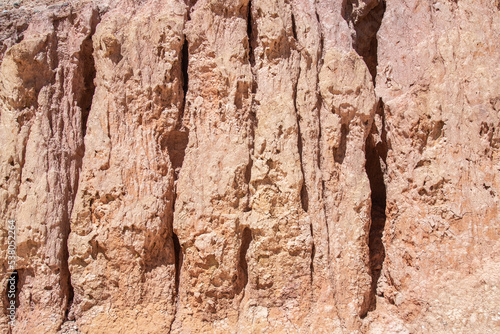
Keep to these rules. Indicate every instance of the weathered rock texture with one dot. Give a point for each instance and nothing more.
(252, 166)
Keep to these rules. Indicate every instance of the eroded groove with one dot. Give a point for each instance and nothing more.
(304, 195)
(321, 39)
(376, 154)
(89, 73)
(251, 56)
(184, 69)
(365, 22)
(313, 254)
(87, 70)
(242, 279)
(339, 153)
(176, 143)
(294, 28)
(178, 261)
(252, 119)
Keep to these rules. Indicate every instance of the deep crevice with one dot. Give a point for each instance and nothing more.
(321, 39)
(248, 169)
(294, 28)
(84, 102)
(251, 56)
(340, 151)
(71, 295)
(252, 119)
(313, 254)
(176, 143)
(376, 155)
(242, 278)
(89, 73)
(304, 195)
(365, 24)
(178, 261)
(184, 68)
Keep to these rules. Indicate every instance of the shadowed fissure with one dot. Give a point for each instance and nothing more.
(89, 73)
(242, 279)
(251, 114)
(246, 234)
(176, 144)
(86, 67)
(184, 68)
(251, 57)
(178, 261)
(376, 154)
(364, 24)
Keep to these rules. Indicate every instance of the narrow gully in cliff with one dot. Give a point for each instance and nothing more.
(184, 69)
(242, 279)
(365, 27)
(376, 155)
(178, 261)
(250, 38)
(89, 73)
(294, 28)
(304, 195)
(319, 104)
(86, 66)
(313, 254)
(246, 234)
(251, 115)
(176, 144)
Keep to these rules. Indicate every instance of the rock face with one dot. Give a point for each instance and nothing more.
(251, 166)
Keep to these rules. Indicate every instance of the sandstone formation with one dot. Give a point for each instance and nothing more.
(251, 166)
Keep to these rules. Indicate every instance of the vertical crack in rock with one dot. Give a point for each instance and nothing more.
(319, 103)
(176, 144)
(86, 90)
(376, 154)
(313, 254)
(339, 153)
(252, 116)
(178, 262)
(294, 28)
(242, 279)
(304, 195)
(89, 72)
(184, 68)
(251, 56)
(364, 19)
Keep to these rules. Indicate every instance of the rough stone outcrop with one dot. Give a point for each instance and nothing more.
(251, 166)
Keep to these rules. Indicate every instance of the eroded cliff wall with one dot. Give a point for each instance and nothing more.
(251, 166)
